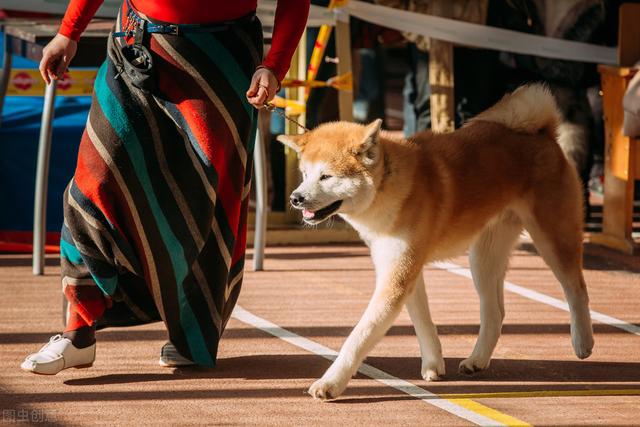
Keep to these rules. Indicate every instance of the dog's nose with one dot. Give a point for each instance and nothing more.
(296, 199)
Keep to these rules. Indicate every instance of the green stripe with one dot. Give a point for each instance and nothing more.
(226, 63)
(252, 134)
(118, 119)
(107, 284)
(69, 252)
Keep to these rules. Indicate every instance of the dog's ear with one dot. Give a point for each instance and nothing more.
(295, 142)
(368, 147)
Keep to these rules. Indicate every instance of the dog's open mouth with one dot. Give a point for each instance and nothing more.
(320, 214)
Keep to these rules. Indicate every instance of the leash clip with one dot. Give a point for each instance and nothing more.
(273, 109)
(138, 34)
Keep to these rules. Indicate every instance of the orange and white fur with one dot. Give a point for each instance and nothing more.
(431, 197)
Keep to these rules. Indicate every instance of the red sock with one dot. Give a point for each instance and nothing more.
(75, 321)
(86, 305)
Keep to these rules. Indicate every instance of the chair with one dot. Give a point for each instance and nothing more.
(622, 153)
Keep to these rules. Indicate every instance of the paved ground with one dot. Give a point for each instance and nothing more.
(319, 293)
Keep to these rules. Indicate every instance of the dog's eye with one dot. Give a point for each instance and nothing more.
(323, 177)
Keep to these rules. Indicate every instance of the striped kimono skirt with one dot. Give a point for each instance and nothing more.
(155, 215)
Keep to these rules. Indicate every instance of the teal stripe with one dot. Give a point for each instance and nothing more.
(69, 252)
(72, 254)
(224, 61)
(107, 284)
(119, 121)
(252, 132)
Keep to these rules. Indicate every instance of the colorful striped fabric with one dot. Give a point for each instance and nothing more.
(155, 215)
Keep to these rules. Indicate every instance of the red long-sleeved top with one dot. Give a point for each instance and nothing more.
(290, 20)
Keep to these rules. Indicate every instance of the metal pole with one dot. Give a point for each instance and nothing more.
(42, 179)
(343, 50)
(260, 168)
(298, 70)
(6, 73)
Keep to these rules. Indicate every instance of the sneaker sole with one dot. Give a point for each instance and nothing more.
(173, 365)
(85, 366)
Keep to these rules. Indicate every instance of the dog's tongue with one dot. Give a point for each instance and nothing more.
(307, 213)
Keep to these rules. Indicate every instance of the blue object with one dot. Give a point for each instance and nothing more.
(19, 134)
(18, 62)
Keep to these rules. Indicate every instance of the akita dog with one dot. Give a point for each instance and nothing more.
(432, 196)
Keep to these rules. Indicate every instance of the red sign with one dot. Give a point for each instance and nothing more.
(22, 81)
(65, 82)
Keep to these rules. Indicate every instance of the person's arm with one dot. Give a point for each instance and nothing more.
(78, 15)
(290, 21)
(59, 52)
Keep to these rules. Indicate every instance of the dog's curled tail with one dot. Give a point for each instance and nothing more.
(528, 109)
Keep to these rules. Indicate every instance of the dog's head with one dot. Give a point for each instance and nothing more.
(340, 165)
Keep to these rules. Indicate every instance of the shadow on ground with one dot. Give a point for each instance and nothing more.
(304, 254)
(308, 366)
(26, 261)
(353, 394)
(598, 257)
(124, 335)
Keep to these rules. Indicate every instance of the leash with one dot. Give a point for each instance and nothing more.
(273, 109)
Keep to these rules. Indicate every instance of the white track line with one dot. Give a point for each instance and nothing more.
(264, 325)
(540, 297)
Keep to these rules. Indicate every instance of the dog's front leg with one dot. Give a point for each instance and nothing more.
(395, 280)
(430, 348)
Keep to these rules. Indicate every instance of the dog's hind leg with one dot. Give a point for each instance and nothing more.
(555, 225)
(430, 348)
(489, 257)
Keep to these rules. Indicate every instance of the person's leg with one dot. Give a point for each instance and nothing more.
(408, 96)
(86, 303)
(81, 336)
(369, 100)
(422, 100)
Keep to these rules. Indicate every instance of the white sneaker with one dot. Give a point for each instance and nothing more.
(169, 357)
(58, 354)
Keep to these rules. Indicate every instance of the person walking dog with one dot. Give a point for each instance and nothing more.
(155, 214)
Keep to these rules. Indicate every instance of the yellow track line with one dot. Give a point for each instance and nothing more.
(542, 393)
(465, 401)
(486, 411)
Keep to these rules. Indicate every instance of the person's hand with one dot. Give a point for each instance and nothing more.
(56, 56)
(263, 88)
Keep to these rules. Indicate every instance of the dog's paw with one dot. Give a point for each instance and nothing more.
(583, 346)
(433, 371)
(582, 339)
(326, 389)
(472, 365)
